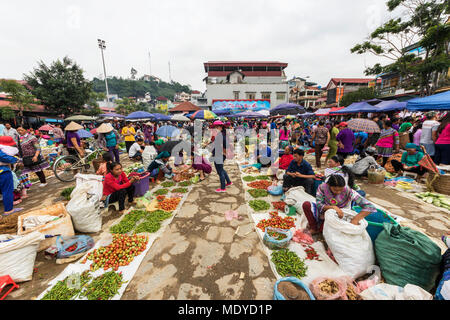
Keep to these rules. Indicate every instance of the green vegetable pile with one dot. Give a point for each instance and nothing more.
(133, 167)
(258, 193)
(152, 221)
(168, 184)
(289, 264)
(263, 177)
(161, 192)
(66, 193)
(186, 183)
(62, 291)
(249, 178)
(439, 200)
(259, 205)
(179, 190)
(128, 222)
(104, 287)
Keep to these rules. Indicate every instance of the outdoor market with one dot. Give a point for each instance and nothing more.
(320, 234)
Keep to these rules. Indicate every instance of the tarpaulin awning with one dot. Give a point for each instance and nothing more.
(323, 111)
(391, 105)
(356, 108)
(440, 101)
(287, 108)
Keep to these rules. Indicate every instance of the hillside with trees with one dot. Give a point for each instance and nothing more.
(137, 88)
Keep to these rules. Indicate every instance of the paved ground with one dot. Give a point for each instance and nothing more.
(201, 255)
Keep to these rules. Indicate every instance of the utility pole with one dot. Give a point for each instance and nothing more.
(102, 46)
(170, 75)
(150, 63)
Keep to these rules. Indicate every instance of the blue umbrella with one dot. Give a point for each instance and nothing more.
(84, 134)
(160, 117)
(139, 115)
(167, 131)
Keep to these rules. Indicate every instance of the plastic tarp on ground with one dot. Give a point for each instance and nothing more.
(440, 101)
(357, 107)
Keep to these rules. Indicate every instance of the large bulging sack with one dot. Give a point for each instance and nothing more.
(350, 244)
(407, 256)
(84, 209)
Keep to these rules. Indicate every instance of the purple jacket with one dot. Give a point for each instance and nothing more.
(347, 138)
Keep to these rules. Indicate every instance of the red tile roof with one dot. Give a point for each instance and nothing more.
(36, 107)
(185, 107)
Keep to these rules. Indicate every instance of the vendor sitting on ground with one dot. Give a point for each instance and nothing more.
(264, 155)
(136, 149)
(159, 167)
(286, 159)
(335, 195)
(299, 173)
(365, 161)
(410, 160)
(117, 186)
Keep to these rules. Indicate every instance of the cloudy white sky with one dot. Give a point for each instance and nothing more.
(313, 36)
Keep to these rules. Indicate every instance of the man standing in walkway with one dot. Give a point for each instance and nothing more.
(11, 132)
(299, 173)
(320, 137)
(345, 139)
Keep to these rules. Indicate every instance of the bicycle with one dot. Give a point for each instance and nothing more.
(67, 167)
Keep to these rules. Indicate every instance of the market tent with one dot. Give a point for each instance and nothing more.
(159, 117)
(440, 101)
(248, 114)
(287, 108)
(139, 115)
(179, 117)
(391, 105)
(356, 107)
(217, 112)
(322, 112)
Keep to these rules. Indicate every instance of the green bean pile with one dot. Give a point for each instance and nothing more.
(104, 287)
(61, 290)
(289, 264)
(258, 193)
(128, 222)
(259, 205)
(249, 178)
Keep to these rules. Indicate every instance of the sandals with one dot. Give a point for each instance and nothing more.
(15, 210)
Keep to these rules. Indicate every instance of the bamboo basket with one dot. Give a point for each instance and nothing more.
(439, 183)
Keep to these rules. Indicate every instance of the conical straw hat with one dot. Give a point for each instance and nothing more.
(73, 126)
(105, 128)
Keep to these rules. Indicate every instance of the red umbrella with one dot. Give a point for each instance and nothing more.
(93, 131)
(46, 127)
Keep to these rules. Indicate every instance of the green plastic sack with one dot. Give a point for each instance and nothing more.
(407, 256)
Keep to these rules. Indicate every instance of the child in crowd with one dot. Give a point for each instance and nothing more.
(102, 170)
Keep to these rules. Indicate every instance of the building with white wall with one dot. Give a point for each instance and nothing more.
(240, 80)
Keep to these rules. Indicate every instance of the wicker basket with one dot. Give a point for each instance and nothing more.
(404, 139)
(439, 183)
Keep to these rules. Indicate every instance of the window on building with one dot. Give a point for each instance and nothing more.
(281, 95)
(259, 68)
(265, 95)
(245, 68)
(236, 95)
(250, 95)
(215, 68)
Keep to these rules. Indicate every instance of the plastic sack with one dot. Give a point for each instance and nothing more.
(278, 296)
(350, 244)
(273, 243)
(384, 291)
(18, 254)
(94, 181)
(84, 209)
(71, 246)
(275, 190)
(322, 295)
(407, 256)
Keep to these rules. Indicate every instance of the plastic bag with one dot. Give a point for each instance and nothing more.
(384, 291)
(275, 190)
(320, 294)
(350, 244)
(71, 246)
(85, 209)
(18, 254)
(273, 243)
(278, 296)
(407, 256)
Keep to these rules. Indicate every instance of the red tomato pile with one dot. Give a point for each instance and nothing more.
(276, 222)
(279, 205)
(261, 184)
(119, 253)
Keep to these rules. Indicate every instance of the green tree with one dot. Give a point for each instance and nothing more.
(19, 97)
(356, 96)
(61, 87)
(423, 24)
(126, 106)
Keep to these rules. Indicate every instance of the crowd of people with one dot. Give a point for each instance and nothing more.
(429, 134)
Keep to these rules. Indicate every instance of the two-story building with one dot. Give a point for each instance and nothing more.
(246, 80)
(337, 87)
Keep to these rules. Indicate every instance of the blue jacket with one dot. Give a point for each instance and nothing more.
(6, 159)
(304, 168)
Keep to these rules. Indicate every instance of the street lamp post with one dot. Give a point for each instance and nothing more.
(102, 46)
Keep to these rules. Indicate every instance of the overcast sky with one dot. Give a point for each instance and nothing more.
(313, 36)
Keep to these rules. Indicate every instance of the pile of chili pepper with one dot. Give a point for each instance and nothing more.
(311, 253)
(276, 235)
(261, 184)
(289, 264)
(63, 291)
(169, 204)
(104, 287)
(128, 222)
(279, 205)
(276, 222)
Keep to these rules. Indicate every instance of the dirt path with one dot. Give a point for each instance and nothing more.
(201, 255)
